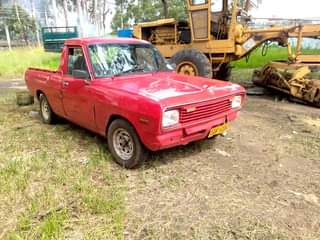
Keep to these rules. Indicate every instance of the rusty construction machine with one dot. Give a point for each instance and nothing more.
(293, 77)
(217, 33)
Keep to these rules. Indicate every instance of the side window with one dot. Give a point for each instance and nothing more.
(199, 2)
(76, 60)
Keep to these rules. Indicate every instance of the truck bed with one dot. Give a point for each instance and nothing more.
(36, 78)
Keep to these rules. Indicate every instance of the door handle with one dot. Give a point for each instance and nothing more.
(65, 83)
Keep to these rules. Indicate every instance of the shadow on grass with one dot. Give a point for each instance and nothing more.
(65, 127)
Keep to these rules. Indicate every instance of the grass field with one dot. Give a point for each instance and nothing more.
(256, 59)
(14, 63)
(55, 182)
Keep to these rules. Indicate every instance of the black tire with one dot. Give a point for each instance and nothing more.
(139, 152)
(199, 61)
(224, 72)
(47, 116)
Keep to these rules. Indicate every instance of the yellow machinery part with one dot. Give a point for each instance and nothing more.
(290, 79)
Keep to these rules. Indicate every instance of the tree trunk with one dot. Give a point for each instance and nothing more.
(25, 37)
(165, 8)
(104, 13)
(84, 6)
(17, 12)
(36, 23)
(55, 12)
(24, 34)
(79, 20)
(65, 12)
(46, 17)
(94, 11)
(8, 36)
(121, 7)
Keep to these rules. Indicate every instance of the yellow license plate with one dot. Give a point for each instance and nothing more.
(218, 130)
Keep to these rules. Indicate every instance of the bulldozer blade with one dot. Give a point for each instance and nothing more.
(290, 80)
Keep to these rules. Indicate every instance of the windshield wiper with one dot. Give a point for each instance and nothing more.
(136, 68)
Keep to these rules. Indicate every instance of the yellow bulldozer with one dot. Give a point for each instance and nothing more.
(218, 32)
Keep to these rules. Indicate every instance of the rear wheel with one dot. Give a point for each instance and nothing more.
(125, 145)
(46, 113)
(193, 63)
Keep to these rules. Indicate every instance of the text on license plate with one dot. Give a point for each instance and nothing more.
(218, 130)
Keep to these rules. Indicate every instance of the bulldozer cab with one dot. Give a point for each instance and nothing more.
(213, 19)
(208, 19)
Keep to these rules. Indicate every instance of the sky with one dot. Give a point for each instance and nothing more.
(288, 9)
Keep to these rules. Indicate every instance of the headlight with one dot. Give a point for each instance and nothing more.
(170, 118)
(236, 102)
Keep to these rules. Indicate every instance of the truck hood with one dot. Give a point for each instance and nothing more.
(172, 89)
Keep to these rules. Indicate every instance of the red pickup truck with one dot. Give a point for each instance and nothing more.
(125, 90)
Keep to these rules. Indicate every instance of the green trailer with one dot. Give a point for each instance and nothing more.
(54, 37)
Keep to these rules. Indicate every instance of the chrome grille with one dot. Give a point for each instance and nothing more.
(204, 110)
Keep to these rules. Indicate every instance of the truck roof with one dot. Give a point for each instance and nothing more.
(101, 40)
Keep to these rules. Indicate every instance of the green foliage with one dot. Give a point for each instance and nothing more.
(14, 63)
(256, 59)
(19, 22)
(129, 12)
(275, 53)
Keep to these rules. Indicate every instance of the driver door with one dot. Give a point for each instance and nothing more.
(77, 92)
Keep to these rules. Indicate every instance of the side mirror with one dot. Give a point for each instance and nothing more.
(82, 74)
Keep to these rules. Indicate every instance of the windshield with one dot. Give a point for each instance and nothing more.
(118, 59)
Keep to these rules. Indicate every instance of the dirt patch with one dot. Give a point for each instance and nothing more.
(13, 84)
(265, 185)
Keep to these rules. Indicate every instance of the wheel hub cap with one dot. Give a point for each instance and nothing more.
(45, 110)
(123, 144)
(187, 68)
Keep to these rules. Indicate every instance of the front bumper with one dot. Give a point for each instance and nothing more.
(186, 134)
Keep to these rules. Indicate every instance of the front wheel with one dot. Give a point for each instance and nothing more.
(192, 62)
(125, 145)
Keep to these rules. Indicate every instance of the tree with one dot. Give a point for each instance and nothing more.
(129, 12)
(20, 22)
(165, 8)
(65, 11)
(65, 4)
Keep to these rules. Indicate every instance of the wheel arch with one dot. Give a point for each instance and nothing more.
(114, 117)
(38, 93)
